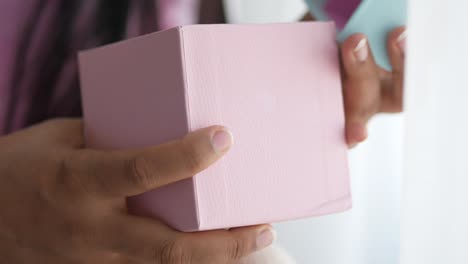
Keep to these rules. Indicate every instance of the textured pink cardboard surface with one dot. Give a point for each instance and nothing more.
(277, 87)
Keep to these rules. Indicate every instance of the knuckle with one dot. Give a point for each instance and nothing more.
(361, 110)
(192, 158)
(173, 252)
(141, 175)
(235, 249)
(74, 176)
(368, 110)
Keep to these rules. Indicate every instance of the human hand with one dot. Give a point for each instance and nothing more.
(367, 88)
(63, 203)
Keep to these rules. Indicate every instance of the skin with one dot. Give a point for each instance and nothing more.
(367, 88)
(63, 203)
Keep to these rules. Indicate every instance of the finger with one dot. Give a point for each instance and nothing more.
(361, 87)
(308, 17)
(56, 133)
(392, 90)
(128, 173)
(138, 238)
(229, 246)
(149, 241)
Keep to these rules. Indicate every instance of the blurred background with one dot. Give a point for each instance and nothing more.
(369, 233)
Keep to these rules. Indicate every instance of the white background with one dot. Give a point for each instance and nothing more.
(435, 208)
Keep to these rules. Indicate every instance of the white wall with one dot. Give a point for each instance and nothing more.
(264, 11)
(369, 233)
(435, 211)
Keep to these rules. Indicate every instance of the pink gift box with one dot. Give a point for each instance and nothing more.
(277, 87)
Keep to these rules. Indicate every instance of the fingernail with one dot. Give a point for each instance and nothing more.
(402, 41)
(362, 51)
(266, 238)
(222, 140)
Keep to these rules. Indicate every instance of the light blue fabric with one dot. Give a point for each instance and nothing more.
(375, 18)
(316, 8)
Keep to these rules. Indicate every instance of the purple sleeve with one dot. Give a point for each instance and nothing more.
(30, 38)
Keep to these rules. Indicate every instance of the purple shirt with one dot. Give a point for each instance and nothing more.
(32, 53)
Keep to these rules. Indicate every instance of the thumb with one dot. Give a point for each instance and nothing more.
(127, 173)
(228, 246)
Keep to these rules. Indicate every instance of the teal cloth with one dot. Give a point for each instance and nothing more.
(375, 18)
